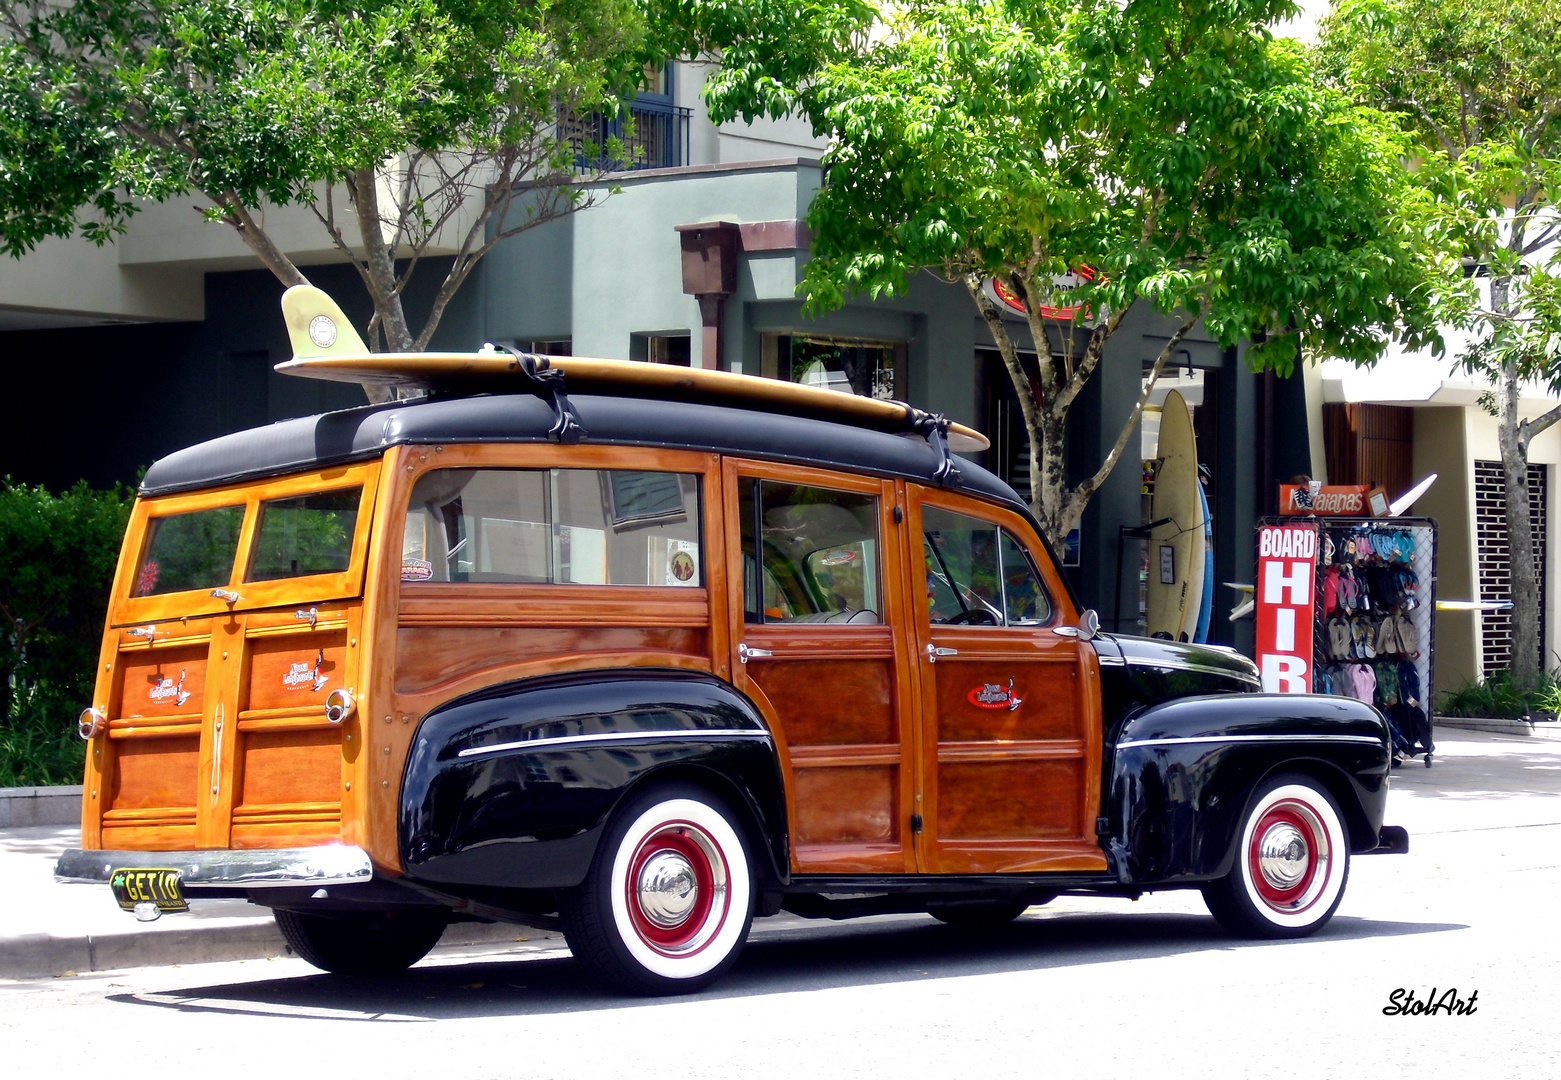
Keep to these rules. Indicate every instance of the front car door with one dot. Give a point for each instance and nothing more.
(1010, 696)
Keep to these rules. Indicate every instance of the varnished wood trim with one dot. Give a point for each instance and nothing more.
(315, 720)
(149, 837)
(155, 721)
(153, 815)
(432, 696)
(480, 605)
(336, 622)
(154, 728)
(845, 755)
(1030, 750)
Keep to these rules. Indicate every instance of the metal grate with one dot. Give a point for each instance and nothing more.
(1490, 516)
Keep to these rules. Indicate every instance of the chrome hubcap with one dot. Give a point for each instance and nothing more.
(667, 888)
(1283, 856)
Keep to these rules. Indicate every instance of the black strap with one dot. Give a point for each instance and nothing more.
(547, 382)
(934, 428)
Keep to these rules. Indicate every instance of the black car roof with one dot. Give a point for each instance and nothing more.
(357, 434)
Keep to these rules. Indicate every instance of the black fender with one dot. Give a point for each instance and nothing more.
(1180, 775)
(510, 787)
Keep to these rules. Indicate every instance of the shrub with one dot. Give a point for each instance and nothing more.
(1500, 695)
(57, 559)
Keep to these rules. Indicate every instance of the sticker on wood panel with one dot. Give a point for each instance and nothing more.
(305, 676)
(994, 696)
(164, 690)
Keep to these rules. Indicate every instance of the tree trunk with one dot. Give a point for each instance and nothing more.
(1521, 568)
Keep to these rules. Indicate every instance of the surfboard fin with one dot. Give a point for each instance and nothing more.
(317, 326)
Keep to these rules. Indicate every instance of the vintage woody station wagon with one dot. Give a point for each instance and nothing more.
(647, 653)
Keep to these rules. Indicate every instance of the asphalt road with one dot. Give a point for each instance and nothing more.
(1082, 987)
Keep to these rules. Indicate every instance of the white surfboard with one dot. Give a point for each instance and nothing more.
(1176, 549)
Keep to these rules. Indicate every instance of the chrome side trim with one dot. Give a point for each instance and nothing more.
(1172, 739)
(1207, 669)
(616, 736)
(330, 864)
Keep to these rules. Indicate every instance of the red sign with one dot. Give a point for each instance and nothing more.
(1286, 577)
(1339, 500)
(1001, 294)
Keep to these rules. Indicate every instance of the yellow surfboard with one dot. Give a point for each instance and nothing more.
(1176, 549)
(325, 346)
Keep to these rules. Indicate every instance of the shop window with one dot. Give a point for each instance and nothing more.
(874, 369)
(547, 347)
(675, 349)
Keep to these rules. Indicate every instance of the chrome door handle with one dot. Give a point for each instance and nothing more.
(1066, 631)
(744, 653)
(935, 651)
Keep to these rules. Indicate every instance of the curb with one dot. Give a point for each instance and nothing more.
(21, 807)
(1498, 725)
(34, 956)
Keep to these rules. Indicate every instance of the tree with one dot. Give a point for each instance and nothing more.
(1170, 148)
(1478, 86)
(437, 120)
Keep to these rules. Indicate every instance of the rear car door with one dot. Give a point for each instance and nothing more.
(813, 573)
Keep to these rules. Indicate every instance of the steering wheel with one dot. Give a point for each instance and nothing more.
(973, 617)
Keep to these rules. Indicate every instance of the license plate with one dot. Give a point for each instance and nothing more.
(152, 885)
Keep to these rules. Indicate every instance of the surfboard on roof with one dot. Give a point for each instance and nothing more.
(325, 346)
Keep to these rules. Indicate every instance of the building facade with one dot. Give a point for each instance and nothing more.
(171, 335)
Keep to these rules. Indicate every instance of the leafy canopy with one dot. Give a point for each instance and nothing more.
(1476, 84)
(106, 103)
(1176, 147)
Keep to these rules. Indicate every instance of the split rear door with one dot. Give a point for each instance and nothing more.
(235, 613)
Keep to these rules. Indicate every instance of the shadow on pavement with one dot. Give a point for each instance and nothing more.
(902, 950)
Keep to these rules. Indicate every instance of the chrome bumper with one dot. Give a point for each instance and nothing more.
(332, 864)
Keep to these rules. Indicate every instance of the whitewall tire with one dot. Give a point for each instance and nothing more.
(1291, 863)
(667, 903)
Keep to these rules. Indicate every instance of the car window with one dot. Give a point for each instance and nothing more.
(553, 526)
(977, 574)
(817, 554)
(305, 534)
(189, 551)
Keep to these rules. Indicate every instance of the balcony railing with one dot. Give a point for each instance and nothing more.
(651, 134)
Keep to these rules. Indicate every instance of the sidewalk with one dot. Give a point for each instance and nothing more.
(49, 929)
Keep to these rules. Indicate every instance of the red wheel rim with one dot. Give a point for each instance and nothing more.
(1300, 895)
(701, 923)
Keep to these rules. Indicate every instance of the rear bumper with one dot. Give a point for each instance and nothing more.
(286, 868)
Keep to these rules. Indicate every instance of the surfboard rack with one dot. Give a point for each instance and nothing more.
(536, 375)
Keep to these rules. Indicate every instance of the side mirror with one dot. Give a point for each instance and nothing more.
(1089, 624)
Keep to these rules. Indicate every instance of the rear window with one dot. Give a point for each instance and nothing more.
(305, 534)
(189, 551)
(554, 527)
